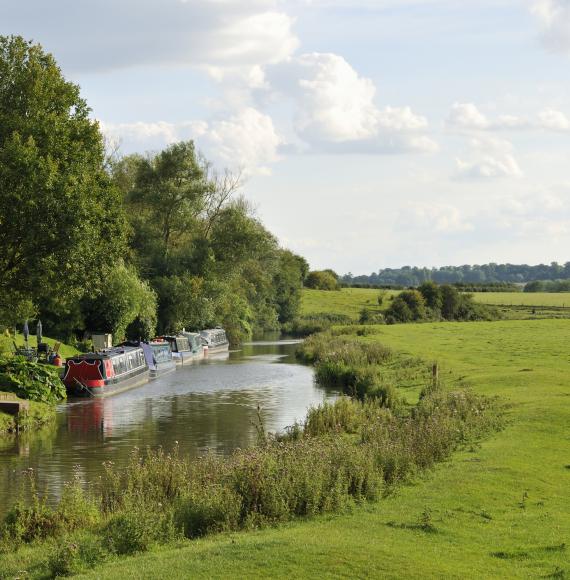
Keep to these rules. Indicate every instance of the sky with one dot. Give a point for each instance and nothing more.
(369, 133)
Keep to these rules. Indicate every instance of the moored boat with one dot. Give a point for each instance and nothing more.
(106, 372)
(158, 355)
(181, 351)
(163, 360)
(215, 340)
(196, 344)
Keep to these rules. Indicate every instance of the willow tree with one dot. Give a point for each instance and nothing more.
(61, 222)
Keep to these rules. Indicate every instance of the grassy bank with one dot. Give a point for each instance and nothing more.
(7, 344)
(39, 414)
(497, 511)
(347, 301)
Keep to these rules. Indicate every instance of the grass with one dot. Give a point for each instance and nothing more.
(347, 301)
(512, 305)
(65, 350)
(39, 414)
(560, 300)
(499, 510)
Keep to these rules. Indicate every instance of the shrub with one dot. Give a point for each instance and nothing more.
(322, 280)
(409, 305)
(30, 380)
(313, 323)
(138, 527)
(64, 560)
(368, 316)
(208, 509)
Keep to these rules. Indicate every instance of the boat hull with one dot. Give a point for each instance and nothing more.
(162, 369)
(187, 357)
(110, 387)
(209, 350)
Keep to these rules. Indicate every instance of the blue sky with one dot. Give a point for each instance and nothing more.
(371, 133)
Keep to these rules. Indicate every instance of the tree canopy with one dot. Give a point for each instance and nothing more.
(123, 245)
(61, 219)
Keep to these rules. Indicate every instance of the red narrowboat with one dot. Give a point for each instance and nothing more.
(106, 372)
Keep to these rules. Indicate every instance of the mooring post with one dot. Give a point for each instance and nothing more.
(435, 374)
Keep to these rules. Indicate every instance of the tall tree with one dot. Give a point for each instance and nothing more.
(61, 221)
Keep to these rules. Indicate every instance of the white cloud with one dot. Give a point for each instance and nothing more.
(246, 140)
(554, 19)
(336, 104)
(551, 119)
(110, 34)
(159, 132)
(336, 109)
(467, 116)
(437, 217)
(542, 214)
(490, 158)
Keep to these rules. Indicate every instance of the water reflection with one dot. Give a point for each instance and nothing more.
(207, 406)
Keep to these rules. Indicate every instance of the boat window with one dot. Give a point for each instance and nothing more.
(161, 353)
(182, 344)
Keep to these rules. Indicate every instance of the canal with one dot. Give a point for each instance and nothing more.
(206, 406)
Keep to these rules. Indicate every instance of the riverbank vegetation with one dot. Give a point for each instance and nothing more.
(35, 386)
(344, 454)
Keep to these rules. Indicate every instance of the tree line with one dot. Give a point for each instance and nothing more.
(131, 245)
(472, 274)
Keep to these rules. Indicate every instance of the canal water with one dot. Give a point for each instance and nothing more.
(210, 405)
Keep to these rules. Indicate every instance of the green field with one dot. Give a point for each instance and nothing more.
(560, 300)
(500, 510)
(514, 305)
(348, 301)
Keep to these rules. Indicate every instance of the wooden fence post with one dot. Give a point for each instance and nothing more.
(435, 374)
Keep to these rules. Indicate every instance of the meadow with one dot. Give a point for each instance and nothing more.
(512, 305)
(495, 510)
(554, 299)
(347, 301)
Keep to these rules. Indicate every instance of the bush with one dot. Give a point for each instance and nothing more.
(30, 380)
(208, 509)
(408, 306)
(70, 556)
(311, 324)
(138, 527)
(368, 316)
(64, 560)
(322, 280)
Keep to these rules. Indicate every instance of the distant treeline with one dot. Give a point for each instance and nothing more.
(461, 286)
(477, 274)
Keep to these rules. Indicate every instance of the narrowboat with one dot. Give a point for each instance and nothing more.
(196, 344)
(181, 351)
(106, 372)
(158, 355)
(215, 340)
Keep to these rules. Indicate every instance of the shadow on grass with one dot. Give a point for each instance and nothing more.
(524, 554)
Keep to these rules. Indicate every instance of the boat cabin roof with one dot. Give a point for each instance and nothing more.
(107, 353)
